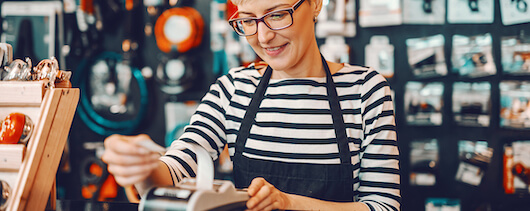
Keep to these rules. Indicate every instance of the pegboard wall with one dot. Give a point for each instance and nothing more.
(489, 195)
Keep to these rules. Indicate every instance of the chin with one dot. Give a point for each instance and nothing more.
(277, 63)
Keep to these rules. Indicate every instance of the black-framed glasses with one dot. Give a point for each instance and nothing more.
(274, 20)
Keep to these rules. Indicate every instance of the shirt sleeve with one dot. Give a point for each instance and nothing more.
(379, 174)
(206, 129)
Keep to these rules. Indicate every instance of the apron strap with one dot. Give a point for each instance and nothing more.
(252, 110)
(338, 119)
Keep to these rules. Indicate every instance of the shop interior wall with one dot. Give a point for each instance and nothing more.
(488, 196)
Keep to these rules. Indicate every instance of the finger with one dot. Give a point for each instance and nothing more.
(127, 181)
(129, 171)
(255, 185)
(264, 203)
(110, 157)
(124, 144)
(140, 137)
(261, 198)
(270, 207)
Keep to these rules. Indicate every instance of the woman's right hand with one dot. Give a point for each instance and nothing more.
(128, 162)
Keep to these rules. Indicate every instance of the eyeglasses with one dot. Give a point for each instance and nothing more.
(275, 20)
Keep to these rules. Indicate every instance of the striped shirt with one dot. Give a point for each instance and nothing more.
(294, 125)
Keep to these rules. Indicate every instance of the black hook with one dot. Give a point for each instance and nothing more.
(521, 5)
(473, 5)
(427, 6)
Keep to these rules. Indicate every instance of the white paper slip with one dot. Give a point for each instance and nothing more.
(152, 146)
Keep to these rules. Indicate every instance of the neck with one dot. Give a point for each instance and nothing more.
(315, 69)
(310, 65)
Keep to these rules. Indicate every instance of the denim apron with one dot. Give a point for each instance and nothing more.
(330, 182)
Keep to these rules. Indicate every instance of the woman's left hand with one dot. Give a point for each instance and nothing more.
(264, 196)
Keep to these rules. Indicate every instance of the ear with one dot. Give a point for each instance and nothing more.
(317, 6)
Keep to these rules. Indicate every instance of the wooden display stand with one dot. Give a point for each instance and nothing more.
(30, 169)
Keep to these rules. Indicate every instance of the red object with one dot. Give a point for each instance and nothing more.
(508, 175)
(231, 8)
(12, 128)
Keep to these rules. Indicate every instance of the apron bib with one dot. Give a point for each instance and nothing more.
(330, 182)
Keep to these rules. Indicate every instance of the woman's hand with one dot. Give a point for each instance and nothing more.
(128, 162)
(264, 196)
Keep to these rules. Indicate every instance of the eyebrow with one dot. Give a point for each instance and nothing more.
(267, 10)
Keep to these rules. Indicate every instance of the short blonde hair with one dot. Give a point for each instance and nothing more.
(238, 2)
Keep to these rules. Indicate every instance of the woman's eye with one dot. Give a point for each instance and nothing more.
(277, 16)
(248, 22)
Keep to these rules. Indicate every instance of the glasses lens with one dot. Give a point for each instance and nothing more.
(274, 20)
(279, 19)
(245, 26)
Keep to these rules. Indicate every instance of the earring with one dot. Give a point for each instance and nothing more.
(314, 19)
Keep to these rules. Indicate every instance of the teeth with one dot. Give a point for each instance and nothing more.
(273, 49)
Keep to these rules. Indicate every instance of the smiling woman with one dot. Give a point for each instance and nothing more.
(303, 133)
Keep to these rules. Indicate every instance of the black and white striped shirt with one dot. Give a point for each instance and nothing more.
(294, 125)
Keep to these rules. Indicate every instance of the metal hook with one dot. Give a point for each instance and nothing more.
(427, 6)
(473, 5)
(521, 5)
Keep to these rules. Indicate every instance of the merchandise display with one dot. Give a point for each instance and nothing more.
(47, 70)
(515, 11)
(380, 13)
(380, 55)
(16, 128)
(34, 30)
(515, 104)
(423, 103)
(175, 75)
(106, 87)
(39, 106)
(426, 56)
(335, 49)
(442, 204)
(517, 167)
(424, 11)
(470, 11)
(515, 52)
(475, 157)
(5, 190)
(337, 18)
(218, 31)
(472, 103)
(472, 56)
(179, 29)
(424, 162)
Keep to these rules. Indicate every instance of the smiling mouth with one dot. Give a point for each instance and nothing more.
(275, 50)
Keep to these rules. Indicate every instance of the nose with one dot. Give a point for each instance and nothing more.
(264, 33)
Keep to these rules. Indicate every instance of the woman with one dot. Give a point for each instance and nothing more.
(302, 133)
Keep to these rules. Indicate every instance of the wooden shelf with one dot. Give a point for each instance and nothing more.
(52, 111)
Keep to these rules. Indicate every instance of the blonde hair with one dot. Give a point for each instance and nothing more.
(238, 2)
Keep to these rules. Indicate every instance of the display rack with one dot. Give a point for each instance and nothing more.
(30, 169)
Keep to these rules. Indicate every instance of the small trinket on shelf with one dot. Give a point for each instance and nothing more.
(46, 70)
(18, 70)
(16, 128)
(5, 191)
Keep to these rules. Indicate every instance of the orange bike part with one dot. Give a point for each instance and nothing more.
(192, 40)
